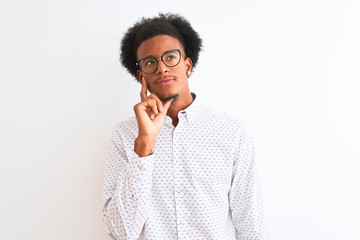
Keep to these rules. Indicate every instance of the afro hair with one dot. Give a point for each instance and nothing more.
(169, 24)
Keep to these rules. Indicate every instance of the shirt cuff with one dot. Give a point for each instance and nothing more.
(141, 165)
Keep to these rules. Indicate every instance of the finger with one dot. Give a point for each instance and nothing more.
(155, 100)
(154, 106)
(152, 115)
(159, 118)
(148, 111)
(166, 106)
(151, 108)
(149, 105)
(143, 92)
(159, 103)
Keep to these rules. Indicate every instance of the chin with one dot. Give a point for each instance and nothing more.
(169, 97)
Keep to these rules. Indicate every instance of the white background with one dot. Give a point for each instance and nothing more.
(289, 69)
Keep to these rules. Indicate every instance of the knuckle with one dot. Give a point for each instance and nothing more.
(136, 106)
(153, 101)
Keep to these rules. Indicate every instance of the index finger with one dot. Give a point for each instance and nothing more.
(143, 92)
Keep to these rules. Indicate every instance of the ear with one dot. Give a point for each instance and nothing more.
(139, 75)
(188, 64)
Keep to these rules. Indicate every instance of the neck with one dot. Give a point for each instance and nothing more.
(177, 105)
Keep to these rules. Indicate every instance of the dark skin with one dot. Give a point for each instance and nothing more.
(170, 83)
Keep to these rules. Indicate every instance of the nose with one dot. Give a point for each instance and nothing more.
(161, 67)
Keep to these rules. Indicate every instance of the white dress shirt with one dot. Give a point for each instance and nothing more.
(200, 183)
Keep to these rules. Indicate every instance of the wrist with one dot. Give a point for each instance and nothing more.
(144, 146)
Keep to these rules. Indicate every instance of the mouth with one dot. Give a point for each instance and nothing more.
(164, 81)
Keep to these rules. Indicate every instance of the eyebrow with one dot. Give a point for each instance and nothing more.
(152, 56)
(149, 56)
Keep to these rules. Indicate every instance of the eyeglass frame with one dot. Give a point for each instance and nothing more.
(158, 59)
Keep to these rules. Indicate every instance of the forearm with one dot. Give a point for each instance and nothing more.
(144, 146)
(126, 210)
(246, 200)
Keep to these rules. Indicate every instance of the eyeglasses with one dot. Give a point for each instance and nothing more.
(170, 58)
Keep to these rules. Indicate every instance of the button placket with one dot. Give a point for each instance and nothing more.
(177, 175)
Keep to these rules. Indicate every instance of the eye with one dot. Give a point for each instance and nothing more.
(149, 62)
(171, 56)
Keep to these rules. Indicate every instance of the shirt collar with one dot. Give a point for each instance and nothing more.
(188, 113)
(192, 110)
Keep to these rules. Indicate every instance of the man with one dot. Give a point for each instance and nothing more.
(178, 169)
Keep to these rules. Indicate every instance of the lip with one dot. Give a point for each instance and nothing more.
(165, 81)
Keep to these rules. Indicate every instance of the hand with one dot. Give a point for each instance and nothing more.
(150, 114)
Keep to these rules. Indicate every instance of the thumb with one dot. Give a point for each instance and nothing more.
(166, 106)
(159, 118)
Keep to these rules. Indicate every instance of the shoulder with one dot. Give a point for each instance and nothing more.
(126, 128)
(127, 123)
(234, 127)
(221, 117)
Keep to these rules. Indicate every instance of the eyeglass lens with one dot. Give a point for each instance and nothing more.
(170, 59)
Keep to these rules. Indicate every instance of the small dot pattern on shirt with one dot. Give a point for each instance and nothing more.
(200, 183)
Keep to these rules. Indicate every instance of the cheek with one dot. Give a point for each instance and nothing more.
(182, 70)
(149, 86)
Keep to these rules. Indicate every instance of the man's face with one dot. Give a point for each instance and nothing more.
(165, 82)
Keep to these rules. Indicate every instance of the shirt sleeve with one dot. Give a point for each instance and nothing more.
(126, 192)
(246, 202)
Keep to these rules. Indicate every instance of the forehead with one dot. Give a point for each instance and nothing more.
(157, 45)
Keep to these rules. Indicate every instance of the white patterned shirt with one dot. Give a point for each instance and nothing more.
(200, 183)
